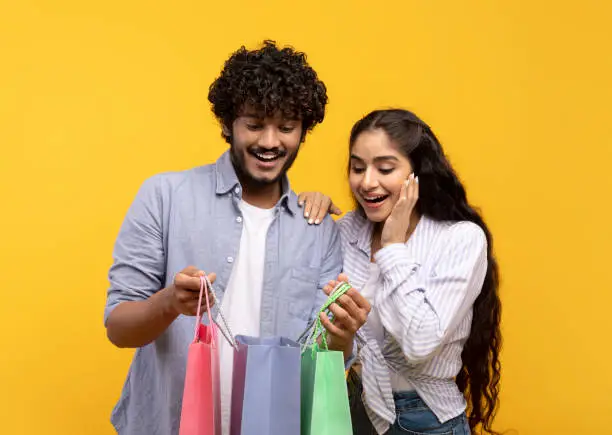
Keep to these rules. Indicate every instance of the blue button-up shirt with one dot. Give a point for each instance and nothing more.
(192, 218)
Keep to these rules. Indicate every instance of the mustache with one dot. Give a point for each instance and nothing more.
(260, 150)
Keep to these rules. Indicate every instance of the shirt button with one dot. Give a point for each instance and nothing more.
(230, 259)
(238, 219)
(237, 190)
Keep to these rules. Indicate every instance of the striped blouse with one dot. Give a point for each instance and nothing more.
(427, 288)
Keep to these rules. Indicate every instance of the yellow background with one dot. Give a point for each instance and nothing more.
(97, 96)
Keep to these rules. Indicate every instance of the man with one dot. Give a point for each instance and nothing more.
(237, 219)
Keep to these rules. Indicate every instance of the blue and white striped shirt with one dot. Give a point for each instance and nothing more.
(424, 299)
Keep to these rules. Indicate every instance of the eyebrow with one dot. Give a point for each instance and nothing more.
(253, 115)
(376, 159)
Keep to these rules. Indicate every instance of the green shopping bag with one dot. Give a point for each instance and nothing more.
(324, 401)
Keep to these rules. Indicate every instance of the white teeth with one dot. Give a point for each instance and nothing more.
(268, 157)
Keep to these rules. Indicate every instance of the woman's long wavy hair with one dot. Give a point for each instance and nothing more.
(442, 197)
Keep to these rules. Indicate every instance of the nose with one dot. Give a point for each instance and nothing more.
(270, 138)
(369, 180)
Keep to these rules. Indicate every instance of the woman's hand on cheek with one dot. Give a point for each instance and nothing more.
(397, 224)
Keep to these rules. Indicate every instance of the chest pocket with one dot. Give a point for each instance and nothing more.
(302, 290)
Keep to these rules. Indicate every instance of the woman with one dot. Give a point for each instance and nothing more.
(422, 256)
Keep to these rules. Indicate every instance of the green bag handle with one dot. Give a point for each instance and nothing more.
(318, 329)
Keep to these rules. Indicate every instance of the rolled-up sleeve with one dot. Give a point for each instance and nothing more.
(138, 268)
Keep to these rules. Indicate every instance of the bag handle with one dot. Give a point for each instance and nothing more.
(205, 288)
(203, 291)
(229, 337)
(317, 327)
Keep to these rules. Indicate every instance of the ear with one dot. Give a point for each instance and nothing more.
(227, 132)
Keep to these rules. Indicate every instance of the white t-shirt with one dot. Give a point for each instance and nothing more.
(375, 326)
(242, 299)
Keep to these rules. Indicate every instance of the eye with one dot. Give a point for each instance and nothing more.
(357, 170)
(253, 127)
(386, 171)
(286, 129)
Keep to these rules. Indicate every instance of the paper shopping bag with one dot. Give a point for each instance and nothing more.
(266, 387)
(201, 408)
(324, 404)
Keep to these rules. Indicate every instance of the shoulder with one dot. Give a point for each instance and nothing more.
(166, 185)
(463, 237)
(298, 225)
(468, 233)
(351, 224)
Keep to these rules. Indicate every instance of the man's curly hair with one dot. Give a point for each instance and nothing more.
(270, 81)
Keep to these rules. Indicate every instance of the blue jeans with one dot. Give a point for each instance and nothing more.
(415, 418)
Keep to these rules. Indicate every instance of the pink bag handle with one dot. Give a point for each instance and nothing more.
(203, 286)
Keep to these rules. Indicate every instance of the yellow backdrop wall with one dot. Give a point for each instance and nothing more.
(97, 96)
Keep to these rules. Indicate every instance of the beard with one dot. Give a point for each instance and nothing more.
(253, 181)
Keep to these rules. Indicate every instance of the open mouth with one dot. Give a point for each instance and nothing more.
(266, 156)
(375, 199)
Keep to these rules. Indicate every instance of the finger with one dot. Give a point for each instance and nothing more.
(212, 277)
(308, 199)
(405, 186)
(349, 305)
(192, 271)
(342, 317)
(192, 307)
(316, 207)
(187, 297)
(334, 209)
(324, 207)
(187, 282)
(333, 329)
(357, 314)
(400, 205)
(415, 189)
(211, 302)
(332, 285)
(301, 198)
(329, 288)
(191, 298)
(359, 300)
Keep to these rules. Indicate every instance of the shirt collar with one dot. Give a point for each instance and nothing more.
(362, 238)
(227, 181)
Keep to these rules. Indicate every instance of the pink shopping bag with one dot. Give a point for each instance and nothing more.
(201, 409)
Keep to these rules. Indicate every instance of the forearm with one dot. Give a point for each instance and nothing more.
(138, 323)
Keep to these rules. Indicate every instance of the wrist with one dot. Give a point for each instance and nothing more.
(165, 303)
(335, 343)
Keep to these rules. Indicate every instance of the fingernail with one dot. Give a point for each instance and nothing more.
(310, 221)
(417, 180)
(306, 214)
(317, 222)
(300, 204)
